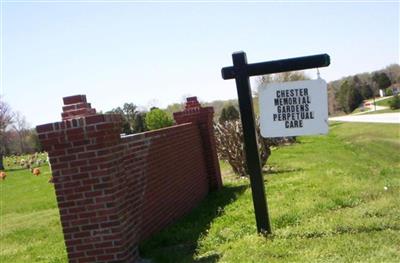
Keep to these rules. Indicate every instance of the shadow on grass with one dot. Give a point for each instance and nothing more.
(16, 169)
(178, 242)
(335, 124)
(281, 170)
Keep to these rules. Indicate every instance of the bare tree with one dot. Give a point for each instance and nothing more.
(229, 142)
(283, 77)
(6, 119)
(229, 134)
(21, 127)
(230, 145)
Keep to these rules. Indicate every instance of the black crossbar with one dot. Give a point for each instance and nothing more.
(277, 66)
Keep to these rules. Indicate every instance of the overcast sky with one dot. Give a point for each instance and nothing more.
(154, 53)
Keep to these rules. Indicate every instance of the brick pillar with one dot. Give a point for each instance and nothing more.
(86, 157)
(203, 117)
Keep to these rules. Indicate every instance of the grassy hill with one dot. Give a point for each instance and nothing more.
(385, 102)
(332, 198)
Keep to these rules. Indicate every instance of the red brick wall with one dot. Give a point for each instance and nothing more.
(113, 192)
(203, 118)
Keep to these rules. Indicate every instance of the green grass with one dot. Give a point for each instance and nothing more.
(326, 196)
(385, 102)
(358, 110)
(327, 202)
(30, 225)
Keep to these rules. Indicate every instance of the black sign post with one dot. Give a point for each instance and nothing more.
(241, 71)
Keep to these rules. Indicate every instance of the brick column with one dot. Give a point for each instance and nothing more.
(203, 117)
(86, 157)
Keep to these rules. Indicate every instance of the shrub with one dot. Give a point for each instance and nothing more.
(230, 145)
(229, 113)
(157, 119)
(395, 103)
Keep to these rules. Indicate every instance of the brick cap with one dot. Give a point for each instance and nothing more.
(74, 99)
(76, 107)
(192, 103)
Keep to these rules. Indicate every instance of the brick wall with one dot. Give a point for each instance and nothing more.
(203, 118)
(115, 191)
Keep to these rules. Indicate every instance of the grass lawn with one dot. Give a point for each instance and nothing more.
(327, 202)
(332, 198)
(385, 102)
(358, 110)
(30, 225)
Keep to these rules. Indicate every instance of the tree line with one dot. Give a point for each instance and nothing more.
(348, 93)
(16, 136)
(344, 95)
(136, 121)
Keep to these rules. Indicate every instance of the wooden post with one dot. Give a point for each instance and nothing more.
(241, 71)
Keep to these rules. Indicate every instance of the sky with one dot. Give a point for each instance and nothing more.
(155, 53)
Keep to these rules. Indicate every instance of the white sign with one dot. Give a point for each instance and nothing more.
(293, 108)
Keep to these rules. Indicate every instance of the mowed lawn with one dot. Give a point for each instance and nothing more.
(30, 224)
(332, 198)
(385, 102)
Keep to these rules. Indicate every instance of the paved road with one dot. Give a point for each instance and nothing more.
(377, 118)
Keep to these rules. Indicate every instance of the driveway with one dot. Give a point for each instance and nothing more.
(376, 118)
(369, 105)
(371, 108)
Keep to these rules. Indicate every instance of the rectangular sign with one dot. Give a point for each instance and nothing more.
(293, 108)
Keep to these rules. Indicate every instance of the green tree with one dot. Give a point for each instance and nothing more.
(34, 139)
(133, 119)
(140, 122)
(349, 96)
(229, 113)
(342, 95)
(354, 99)
(382, 80)
(363, 87)
(367, 91)
(157, 119)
